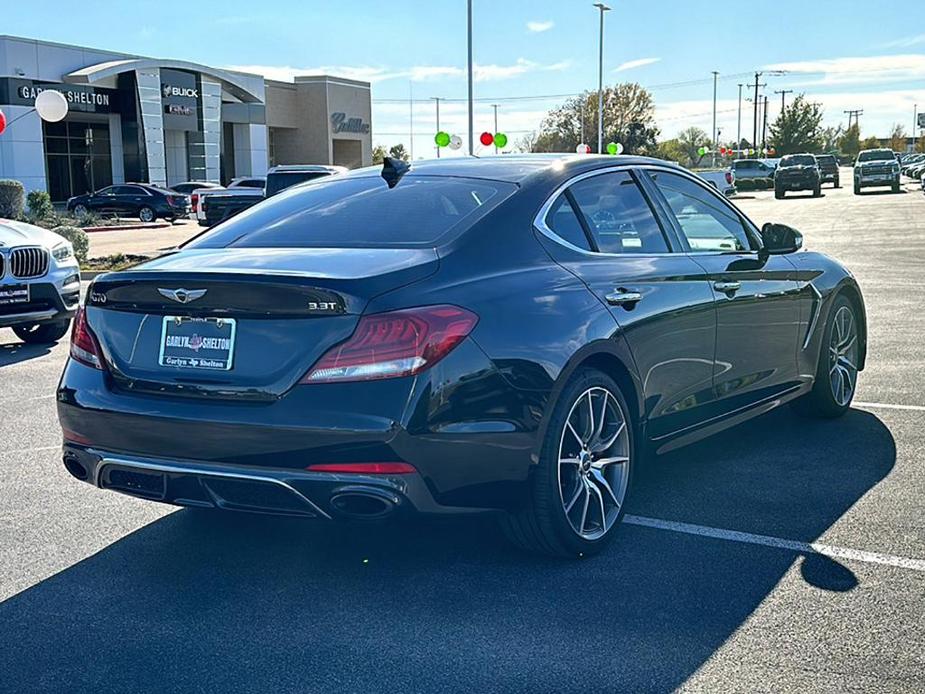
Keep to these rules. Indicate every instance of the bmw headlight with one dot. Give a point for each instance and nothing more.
(63, 251)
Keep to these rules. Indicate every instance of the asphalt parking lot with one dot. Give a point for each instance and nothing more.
(784, 555)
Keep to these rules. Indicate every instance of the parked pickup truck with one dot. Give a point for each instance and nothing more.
(723, 180)
(753, 173)
(220, 205)
(250, 188)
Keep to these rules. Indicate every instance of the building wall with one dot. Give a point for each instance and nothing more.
(22, 153)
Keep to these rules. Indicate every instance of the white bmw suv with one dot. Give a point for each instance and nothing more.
(39, 282)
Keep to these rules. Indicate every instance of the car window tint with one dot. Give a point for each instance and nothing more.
(563, 221)
(706, 221)
(618, 215)
(361, 211)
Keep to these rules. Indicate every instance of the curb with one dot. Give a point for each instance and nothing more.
(129, 227)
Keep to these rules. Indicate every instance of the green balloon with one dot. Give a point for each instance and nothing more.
(702, 151)
(612, 148)
(500, 140)
(442, 139)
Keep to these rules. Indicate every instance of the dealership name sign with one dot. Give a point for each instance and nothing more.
(86, 98)
(171, 90)
(341, 124)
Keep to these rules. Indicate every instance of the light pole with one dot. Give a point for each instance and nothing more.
(915, 123)
(739, 126)
(437, 101)
(715, 77)
(600, 80)
(471, 128)
(495, 109)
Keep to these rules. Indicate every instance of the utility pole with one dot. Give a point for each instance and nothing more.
(757, 104)
(783, 95)
(437, 101)
(495, 108)
(764, 128)
(410, 120)
(600, 80)
(715, 77)
(739, 126)
(856, 113)
(471, 127)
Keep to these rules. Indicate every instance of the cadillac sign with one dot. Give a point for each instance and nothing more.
(341, 124)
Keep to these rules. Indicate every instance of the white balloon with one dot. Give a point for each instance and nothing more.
(619, 148)
(455, 142)
(51, 105)
(583, 149)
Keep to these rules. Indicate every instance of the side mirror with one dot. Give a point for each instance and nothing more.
(779, 239)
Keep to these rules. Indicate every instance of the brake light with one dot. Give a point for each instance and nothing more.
(394, 344)
(194, 202)
(83, 344)
(364, 468)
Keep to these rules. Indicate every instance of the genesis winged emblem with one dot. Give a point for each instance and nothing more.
(183, 296)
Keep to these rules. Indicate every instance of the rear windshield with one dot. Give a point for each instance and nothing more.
(877, 155)
(798, 160)
(277, 182)
(825, 159)
(360, 212)
(745, 164)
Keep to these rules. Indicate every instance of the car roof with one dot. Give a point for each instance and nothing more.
(515, 168)
(307, 168)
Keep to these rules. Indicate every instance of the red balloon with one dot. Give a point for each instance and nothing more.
(722, 150)
(2, 122)
(486, 138)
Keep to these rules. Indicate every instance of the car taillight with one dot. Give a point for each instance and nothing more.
(83, 344)
(194, 202)
(394, 344)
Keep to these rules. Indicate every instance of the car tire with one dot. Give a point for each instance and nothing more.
(42, 333)
(831, 395)
(836, 184)
(896, 187)
(857, 189)
(576, 499)
(779, 194)
(80, 210)
(147, 215)
(817, 191)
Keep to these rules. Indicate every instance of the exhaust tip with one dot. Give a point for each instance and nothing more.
(363, 504)
(75, 467)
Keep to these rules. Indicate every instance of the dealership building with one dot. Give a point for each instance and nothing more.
(162, 121)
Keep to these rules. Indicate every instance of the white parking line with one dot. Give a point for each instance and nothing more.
(888, 406)
(778, 542)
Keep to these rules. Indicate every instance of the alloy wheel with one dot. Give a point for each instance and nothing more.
(146, 215)
(594, 460)
(843, 356)
(80, 210)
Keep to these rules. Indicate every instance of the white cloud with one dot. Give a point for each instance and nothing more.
(417, 73)
(906, 42)
(639, 62)
(849, 70)
(538, 27)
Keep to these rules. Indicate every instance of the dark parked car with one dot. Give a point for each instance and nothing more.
(508, 334)
(797, 172)
(828, 169)
(132, 200)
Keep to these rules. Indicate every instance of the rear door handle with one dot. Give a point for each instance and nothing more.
(727, 287)
(622, 297)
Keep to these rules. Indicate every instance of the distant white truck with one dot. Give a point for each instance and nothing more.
(724, 180)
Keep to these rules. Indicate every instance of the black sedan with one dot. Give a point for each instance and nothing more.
(132, 200)
(511, 334)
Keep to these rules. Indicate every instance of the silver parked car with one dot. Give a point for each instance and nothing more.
(39, 282)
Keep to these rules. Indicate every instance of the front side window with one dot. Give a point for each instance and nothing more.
(618, 215)
(707, 223)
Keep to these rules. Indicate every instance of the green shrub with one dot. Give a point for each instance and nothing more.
(78, 238)
(12, 197)
(39, 203)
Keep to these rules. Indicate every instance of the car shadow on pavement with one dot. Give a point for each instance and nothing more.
(225, 602)
(16, 352)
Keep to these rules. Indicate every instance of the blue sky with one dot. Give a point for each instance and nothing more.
(844, 54)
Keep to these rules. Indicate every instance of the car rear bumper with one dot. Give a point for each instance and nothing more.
(797, 183)
(268, 490)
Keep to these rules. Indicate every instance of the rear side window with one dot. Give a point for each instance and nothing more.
(618, 215)
(360, 212)
(563, 221)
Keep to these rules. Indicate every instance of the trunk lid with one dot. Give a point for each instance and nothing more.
(279, 310)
